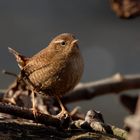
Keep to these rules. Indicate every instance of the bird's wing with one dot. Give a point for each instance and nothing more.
(38, 61)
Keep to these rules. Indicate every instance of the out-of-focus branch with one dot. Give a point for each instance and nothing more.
(126, 8)
(129, 102)
(114, 84)
(133, 122)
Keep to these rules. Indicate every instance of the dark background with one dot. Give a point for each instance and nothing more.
(108, 44)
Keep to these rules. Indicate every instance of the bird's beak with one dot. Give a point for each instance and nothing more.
(75, 41)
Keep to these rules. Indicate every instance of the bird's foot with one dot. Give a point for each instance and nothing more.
(62, 115)
(65, 118)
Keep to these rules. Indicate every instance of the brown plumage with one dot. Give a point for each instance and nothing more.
(56, 69)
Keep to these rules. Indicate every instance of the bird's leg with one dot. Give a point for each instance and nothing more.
(33, 103)
(64, 113)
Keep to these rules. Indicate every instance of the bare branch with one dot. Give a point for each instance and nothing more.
(114, 84)
(28, 114)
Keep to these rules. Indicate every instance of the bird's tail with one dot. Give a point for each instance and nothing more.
(21, 60)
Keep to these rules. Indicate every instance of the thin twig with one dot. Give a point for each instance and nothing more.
(9, 73)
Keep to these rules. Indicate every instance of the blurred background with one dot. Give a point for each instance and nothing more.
(108, 44)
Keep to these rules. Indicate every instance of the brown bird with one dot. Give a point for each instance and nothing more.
(55, 70)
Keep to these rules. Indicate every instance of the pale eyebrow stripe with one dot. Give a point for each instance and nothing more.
(59, 41)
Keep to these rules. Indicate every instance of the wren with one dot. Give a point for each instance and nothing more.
(55, 70)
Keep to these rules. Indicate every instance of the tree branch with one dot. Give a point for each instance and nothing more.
(26, 130)
(16, 128)
(28, 114)
(114, 84)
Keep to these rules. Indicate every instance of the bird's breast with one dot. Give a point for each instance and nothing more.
(71, 74)
(59, 76)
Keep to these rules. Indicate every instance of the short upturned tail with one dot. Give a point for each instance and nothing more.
(19, 58)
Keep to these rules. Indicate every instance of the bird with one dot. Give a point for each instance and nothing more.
(55, 70)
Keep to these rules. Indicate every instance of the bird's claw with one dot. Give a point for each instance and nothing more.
(62, 115)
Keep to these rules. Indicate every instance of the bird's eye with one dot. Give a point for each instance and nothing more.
(63, 43)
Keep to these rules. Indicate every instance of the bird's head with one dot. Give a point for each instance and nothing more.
(65, 43)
